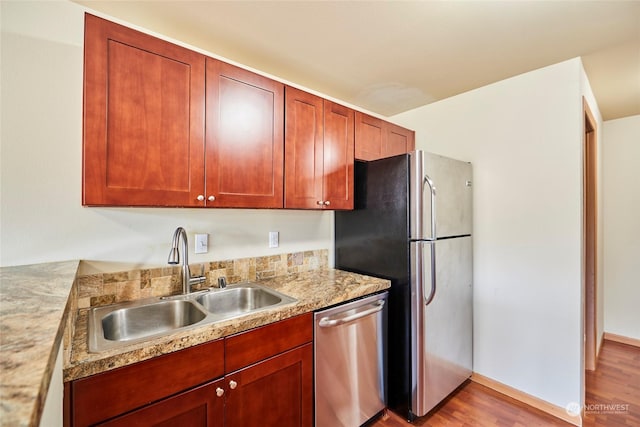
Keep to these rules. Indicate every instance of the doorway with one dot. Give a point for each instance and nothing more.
(590, 238)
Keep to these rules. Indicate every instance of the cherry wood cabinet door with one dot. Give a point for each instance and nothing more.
(319, 144)
(275, 392)
(143, 128)
(199, 407)
(244, 138)
(304, 133)
(399, 140)
(377, 139)
(338, 156)
(370, 135)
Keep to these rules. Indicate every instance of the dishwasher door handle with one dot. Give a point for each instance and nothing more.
(327, 322)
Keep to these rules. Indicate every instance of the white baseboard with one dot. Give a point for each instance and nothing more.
(622, 339)
(528, 399)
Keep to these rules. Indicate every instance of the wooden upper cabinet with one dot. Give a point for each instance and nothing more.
(370, 136)
(143, 136)
(339, 137)
(399, 140)
(376, 138)
(144, 141)
(319, 144)
(244, 138)
(304, 135)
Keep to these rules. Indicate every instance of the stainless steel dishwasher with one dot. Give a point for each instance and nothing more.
(350, 362)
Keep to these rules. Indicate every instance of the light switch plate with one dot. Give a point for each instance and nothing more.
(274, 239)
(202, 243)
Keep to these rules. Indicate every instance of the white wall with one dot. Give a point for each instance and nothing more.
(52, 412)
(524, 138)
(622, 226)
(41, 217)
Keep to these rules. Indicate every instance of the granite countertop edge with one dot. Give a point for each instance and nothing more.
(34, 310)
(314, 290)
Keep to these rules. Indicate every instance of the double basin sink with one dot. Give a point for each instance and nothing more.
(132, 322)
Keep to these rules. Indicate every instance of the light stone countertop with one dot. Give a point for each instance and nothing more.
(33, 315)
(313, 289)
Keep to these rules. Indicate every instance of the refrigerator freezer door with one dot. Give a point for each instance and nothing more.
(442, 336)
(453, 197)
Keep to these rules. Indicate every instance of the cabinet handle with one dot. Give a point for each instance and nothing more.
(327, 203)
(320, 202)
(233, 385)
(219, 392)
(211, 198)
(200, 197)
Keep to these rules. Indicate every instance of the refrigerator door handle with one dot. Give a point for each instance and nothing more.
(432, 190)
(432, 293)
(326, 322)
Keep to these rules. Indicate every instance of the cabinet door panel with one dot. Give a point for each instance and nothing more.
(276, 392)
(200, 407)
(370, 135)
(399, 140)
(143, 142)
(304, 150)
(377, 139)
(338, 155)
(245, 145)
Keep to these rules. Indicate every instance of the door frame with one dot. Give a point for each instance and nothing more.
(590, 237)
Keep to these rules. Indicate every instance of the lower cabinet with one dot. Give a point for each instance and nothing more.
(261, 377)
(200, 407)
(277, 392)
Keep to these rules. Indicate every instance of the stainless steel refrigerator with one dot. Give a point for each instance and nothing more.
(412, 225)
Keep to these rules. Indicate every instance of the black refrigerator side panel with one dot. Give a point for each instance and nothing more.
(373, 239)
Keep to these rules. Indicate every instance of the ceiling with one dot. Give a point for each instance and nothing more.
(391, 56)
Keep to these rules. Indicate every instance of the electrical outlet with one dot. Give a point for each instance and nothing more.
(274, 239)
(202, 243)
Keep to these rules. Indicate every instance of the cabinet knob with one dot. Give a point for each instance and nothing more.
(219, 392)
(200, 197)
(211, 198)
(320, 202)
(233, 385)
(327, 203)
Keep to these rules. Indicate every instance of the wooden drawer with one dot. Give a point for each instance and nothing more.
(102, 396)
(258, 344)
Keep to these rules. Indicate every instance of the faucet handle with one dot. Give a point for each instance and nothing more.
(201, 278)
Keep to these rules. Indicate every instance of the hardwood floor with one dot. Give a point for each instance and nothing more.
(613, 399)
(613, 389)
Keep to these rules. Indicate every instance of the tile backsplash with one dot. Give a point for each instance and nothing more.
(109, 288)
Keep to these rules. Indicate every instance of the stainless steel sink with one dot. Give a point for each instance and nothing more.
(132, 322)
(239, 300)
(139, 322)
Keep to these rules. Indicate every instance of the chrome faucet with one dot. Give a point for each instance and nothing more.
(174, 258)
